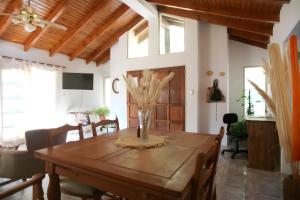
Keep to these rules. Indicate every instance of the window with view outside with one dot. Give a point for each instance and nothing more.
(171, 34)
(257, 75)
(27, 101)
(138, 42)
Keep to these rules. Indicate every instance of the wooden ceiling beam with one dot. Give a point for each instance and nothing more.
(52, 17)
(85, 20)
(143, 8)
(197, 6)
(97, 32)
(13, 6)
(263, 28)
(103, 57)
(248, 35)
(248, 41)
(113, 39)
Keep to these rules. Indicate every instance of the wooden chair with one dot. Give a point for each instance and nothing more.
(105, 122)
(69, 186)
(204, 175)
(22, 165)
(36, 179)
(218, 143)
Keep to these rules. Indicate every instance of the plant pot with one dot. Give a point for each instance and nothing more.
(291, 188)
(102, 117)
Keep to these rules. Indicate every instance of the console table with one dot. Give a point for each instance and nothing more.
(263, 144)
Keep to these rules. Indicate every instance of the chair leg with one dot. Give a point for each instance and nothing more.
(237, 148)
(226, 150)
(37, 191)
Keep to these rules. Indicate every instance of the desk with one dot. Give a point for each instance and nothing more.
(263, 144)
(154, 173)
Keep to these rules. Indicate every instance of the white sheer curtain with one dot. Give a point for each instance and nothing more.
(28, 94)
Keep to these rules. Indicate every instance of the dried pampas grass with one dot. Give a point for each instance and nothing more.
(278, 74)
(147, 91)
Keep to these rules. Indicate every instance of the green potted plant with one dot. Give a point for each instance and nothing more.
(102, 112)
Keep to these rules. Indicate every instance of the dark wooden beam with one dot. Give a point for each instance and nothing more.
(13, 6)
(113, 39)
(263, 28)
(85, 20)
(200, 7)
(52, 17)
(97, 32)
(103, 58)
(250, 42)
(248, 35)
(275, 1)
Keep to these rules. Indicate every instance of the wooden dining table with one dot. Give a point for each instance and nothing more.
(150, 174)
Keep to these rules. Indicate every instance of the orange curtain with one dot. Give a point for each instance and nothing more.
(296, 99)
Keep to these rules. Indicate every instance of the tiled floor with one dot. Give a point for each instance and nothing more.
(237, 182)
(234, 182)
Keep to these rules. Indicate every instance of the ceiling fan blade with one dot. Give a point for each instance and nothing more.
(53, 24)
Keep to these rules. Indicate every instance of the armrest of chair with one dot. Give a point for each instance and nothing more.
(19, 164)
(23, 185)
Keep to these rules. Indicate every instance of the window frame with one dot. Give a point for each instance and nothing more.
(131, 31)
(266, 86)
(159, 33)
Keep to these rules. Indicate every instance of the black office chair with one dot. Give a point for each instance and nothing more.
(229, 119)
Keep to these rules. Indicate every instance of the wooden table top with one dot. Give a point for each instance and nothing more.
(165, 169)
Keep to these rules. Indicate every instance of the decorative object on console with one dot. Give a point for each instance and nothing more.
(284, 77)
(222, 73)
(115, 86)
(145, 94)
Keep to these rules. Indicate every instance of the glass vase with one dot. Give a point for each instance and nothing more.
(144, 123)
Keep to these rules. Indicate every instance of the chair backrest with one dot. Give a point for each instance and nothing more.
(104, 123)
(59, 135)
(204, 175)
(229, 118)
(218, 143)
(37, 139)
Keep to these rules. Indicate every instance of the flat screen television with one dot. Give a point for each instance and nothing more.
(77, 81)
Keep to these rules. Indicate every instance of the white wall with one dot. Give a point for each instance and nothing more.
(213, 56)
(67, 100)
(241, 55)
(120, 64)
(289, 17)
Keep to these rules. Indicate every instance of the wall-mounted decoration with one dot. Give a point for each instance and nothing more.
(115, 86)
(222, 73)
(209, 73)
(214, 94)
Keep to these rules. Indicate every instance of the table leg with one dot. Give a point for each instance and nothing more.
(53, 192)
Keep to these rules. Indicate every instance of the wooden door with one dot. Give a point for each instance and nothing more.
(169, 113)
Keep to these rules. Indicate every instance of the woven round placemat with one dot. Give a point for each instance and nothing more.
(135, 142)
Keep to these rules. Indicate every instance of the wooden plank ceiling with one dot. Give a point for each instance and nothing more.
(247, 21)
(93, 26)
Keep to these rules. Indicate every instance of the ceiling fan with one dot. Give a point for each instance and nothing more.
(31, 20)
